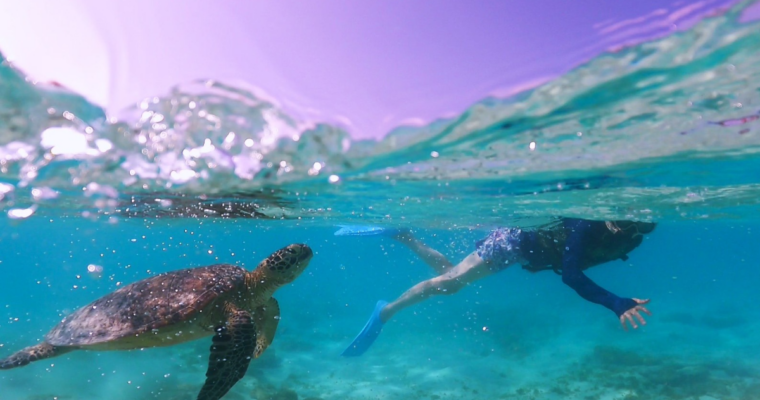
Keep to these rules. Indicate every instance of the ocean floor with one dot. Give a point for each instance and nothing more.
(677, 356)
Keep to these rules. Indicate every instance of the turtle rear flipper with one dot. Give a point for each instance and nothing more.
(267, 318)
(231, 352)
(32, 353)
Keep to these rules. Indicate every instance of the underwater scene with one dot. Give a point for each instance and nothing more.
(657, 143)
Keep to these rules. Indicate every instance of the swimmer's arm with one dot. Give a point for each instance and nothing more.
(573, 276)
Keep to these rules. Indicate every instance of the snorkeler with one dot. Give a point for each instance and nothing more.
(567, 246)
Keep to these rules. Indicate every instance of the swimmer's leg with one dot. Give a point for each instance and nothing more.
(430, 256)
(469, 270)
(437, 261)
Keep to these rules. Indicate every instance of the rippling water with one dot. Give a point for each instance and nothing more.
(665, 129)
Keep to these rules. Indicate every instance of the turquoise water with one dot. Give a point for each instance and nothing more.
(666, 131)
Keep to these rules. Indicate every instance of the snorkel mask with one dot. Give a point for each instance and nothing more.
(634, 228)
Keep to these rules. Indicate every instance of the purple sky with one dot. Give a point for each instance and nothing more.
(369, 64)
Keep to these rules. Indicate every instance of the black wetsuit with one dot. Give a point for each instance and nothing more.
(574, 245)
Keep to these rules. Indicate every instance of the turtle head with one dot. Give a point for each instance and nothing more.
(286, 264)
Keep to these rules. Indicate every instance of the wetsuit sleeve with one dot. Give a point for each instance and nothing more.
(573, 276)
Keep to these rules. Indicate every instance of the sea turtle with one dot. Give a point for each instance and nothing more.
(227, 302)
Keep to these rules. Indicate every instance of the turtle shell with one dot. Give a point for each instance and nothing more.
(149, 304)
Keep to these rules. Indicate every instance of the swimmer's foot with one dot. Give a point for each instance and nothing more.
(369, 333)
(369, 230)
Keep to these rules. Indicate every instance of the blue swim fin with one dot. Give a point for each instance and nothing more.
(361, 230)
(369, 333)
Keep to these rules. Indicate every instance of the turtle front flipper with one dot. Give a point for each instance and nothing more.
(30, 354)
(267, 317)
(231, 350)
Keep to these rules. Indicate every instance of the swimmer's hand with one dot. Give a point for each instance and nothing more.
(634, 312)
